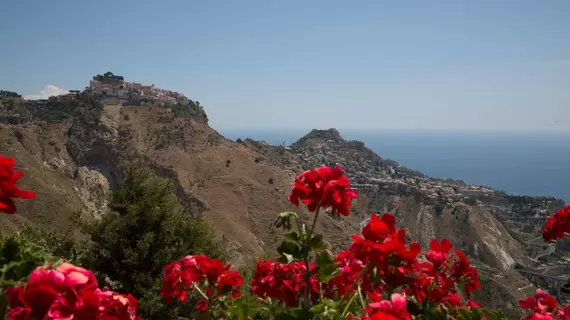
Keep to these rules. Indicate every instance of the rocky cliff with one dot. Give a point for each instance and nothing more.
(71, 153)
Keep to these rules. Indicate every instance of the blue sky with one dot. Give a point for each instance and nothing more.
(476, 65)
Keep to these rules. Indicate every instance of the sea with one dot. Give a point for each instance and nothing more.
(520, 163)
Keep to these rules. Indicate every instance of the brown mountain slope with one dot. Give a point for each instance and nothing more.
(72, 160)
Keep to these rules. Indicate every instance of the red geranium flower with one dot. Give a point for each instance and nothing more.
(544, 306)
(185, 275)
(557, 226)
(67, 292)
(284, 282)
(395, 309)
(8, 188)
(323, 187)
(439, 252)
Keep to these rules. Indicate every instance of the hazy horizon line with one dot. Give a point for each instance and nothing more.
(435, 130)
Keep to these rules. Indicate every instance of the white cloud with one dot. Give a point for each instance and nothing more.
(47, 91)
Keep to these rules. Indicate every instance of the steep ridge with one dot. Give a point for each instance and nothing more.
(431, 207)
(71, 153)
(481, 221)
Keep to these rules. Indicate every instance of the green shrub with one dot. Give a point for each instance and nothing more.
(146, 230)
(18, 258)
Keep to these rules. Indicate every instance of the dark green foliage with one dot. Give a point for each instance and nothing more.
(147, 230)
(11, 94)
(18, 258)
(190, 110)
(108, 76)
(57, 244)
(86, 105)
(439, 209)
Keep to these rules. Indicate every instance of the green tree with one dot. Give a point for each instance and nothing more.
(147, 229)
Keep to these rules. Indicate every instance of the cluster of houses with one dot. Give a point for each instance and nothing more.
(72, 95)
(127, 93)
(134, 92)
(367, 171)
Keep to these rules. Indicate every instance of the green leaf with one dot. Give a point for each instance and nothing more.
(464, 314)
(326, 309)
(493, 314)
(292, 236)
(327, 266)
(242, 310)
(286, 258)
(414, 307)
(317, 309)
(284, 220)
(317, 243)
(290, 249)
(293, 314)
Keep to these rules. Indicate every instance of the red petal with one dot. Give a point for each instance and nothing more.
(7, 161)
(26, 194)
(7, 205)
(435, 246)
(527, 303)
(337, 171)
(389, 219)
(446, 245)
(415, 248)
(17, 175)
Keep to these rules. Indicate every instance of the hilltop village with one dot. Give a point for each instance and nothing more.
(132, 93)
(368, 171)
(115, 90)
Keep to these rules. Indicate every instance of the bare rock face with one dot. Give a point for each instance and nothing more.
(93, 190)
(426, 225)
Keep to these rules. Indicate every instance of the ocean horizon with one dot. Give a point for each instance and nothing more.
(519, 163)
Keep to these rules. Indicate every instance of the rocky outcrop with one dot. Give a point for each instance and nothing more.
(93, 190)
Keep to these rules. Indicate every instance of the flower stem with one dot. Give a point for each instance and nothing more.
(345, 311)
(361, 298)
(201, 292)
(357, 280)
(314, 223)
(299, 228)
(307, 262)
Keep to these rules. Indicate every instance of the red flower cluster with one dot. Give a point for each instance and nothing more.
(8, 188)
(387, 310)
(544, 307)
(384, 247)
(557, 226)
(378, 262)
(323, 187)
(283, 282)
(186, 275)
(349, 270)
(67, 292)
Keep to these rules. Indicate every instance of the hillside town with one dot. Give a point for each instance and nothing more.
(369, 171)
(114, 89)
(373, 174)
